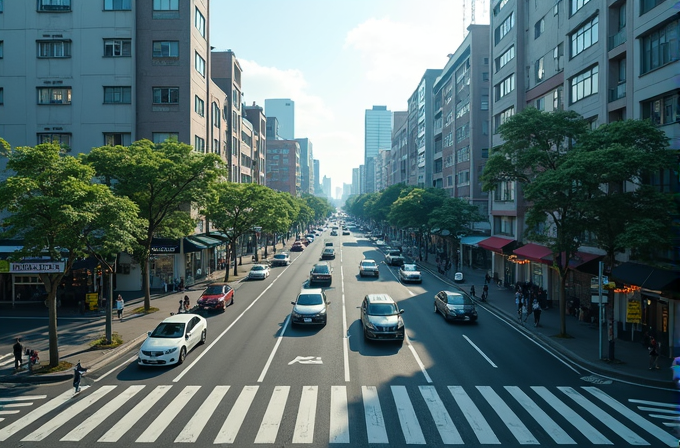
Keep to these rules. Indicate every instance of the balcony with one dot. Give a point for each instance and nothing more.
(618, 92)
(617, 39)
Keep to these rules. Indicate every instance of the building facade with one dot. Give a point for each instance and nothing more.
(306, 166)
(284, 110)
(377, 136)
(283, 171)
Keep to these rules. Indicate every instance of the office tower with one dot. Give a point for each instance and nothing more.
(377, 136)
(283, 166)
(317, 184)
(306, 168)
(421, 127)
(284, 110)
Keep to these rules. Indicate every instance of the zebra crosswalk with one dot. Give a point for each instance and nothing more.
(396, 415)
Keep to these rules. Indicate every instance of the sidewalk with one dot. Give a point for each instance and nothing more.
(75, 345)
(631, 358)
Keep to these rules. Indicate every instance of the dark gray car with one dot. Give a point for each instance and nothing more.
(381, 319)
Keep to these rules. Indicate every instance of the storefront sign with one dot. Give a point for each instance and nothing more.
(634, 312)
(164, 249)
(36, 267)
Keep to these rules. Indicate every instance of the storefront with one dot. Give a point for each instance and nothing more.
(473, 255)
(502, 269)
(532, 268)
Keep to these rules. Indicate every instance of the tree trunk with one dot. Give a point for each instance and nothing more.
(563, 305)
(235, 264)
(51, 281)
(145, 282)
(228, 262)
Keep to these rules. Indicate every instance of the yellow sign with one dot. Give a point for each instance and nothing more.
(634, 312)
(92, 300)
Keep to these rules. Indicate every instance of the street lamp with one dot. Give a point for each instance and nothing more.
(257, 232)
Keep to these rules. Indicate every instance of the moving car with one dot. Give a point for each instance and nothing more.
(455, 306)
(172, 339)
(281, 259)
(320, 273)
(311, 237)
(329, 244)
(217, 296)
(297, 247)
(368, 267)
(393, 257)
(381, 319)
(380, 243)
(328, 254)
(334, 233)
(346, 232)
(410, 273)
(258, 271)
(310, 307)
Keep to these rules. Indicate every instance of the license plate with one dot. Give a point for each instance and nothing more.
(152, 361)
(307, 319)
(467, 318)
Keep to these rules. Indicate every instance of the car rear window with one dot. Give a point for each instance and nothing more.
(368, 264)
(409, 267)
(310, 299)
(321, 269)
(382, 309)
(458, 300)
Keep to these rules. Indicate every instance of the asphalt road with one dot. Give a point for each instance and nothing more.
(259, 381)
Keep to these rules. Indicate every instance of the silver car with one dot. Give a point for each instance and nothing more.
(310, 307)
(369, 267)
(381, 319)
(410, 273)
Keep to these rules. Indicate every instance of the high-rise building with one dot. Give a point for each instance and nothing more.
(255, 115)
(306, 166)
(317, 184)
(284, 110)
(377, 136)
(421, 124)
(283, 166)
(327, 187)
(356, 181)
(399, 153)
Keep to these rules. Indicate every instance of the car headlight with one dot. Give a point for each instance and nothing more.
(321, 313)
(400, 324)
(370, 325)
(170, 350)
(295, 314)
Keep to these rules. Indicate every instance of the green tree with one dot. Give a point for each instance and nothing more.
(279, 217)
(414, 210)
(456, 216)
(60, 213)
(320, 206)
(165, 180)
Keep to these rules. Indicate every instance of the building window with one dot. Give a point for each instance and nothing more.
(117, 48)
(499, 6)
(539, 28)
(216, 118)
(485, 127)
(117, 95)
(160, 137)
(2, 96)
(199, 106)
(540, 103)
(463, 178)
(448, 140)
(462, 132)
(648, 5)
(576, 5)
(556, 8)
(558, 99)
(166, 5)
(584, 37)
(2, 49)
(166, 49)
(117, 5)
(199, 144)
(62, 139)
(485, 102)
(505, 87)
(463, 154)
(501, 118)
(485, 76)
(485, 153)
(117, 139)
(539, 71)
(54, 5)
(199, 22)
(584, 84)
(449, 181)
(216, 146)
(504, 225)
(2, 6)
(199, 64)
(49, 95)
(504, 192)
(558, 53)
(660, 47)
(462, 108)
(54, 49)
(662, 110)
(166, 95)
(506, 57)
(504, 28)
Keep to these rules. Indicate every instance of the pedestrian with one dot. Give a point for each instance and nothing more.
(487, 279)
(485, 291)
(120, 304)
(518, 300)
(653, 353)
(78, 372)
(537, 311)
(472, 290)
(18, 351)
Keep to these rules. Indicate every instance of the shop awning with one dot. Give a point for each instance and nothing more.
(164, 246)
(497, 244)
(223, 237)
(646, 276)
(472, 240)
(533, 252)
(193, 246)
(577, 260)
(206, 240)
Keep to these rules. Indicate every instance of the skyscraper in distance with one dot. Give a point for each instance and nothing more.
(284, 111)
(377, 136)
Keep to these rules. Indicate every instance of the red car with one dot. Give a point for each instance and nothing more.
(217, 296)
(297, 247)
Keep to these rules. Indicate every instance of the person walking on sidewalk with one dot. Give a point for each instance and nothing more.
(653, 353)
(536, 308)
(18, 351)
(120, 304)
(472, 290)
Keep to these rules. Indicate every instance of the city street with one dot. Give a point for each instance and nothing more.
(258, 380)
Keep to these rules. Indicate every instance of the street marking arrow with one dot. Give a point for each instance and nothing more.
(306, 360)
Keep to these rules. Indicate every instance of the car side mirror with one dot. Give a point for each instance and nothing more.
(148, 333)
(401, 311)
(188, 335)
(292, 303)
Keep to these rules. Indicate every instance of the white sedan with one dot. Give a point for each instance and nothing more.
(172, 339)
(259, 271)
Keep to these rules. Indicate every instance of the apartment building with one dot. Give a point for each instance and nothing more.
(255, 115)
(421, 124)
(399, 152)
(283, 168)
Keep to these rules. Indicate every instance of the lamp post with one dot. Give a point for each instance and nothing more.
(257, 232)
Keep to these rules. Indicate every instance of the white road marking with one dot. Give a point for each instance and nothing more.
(339, 419)
(127, 361)
(474, 417)
(547, 423)
(375, 423)
(5, 356)
(271, 421)
(417, 358)
(345, 333)
(442, 419)
(651, 403)
(156, 428)
(304, 424)
(23, 422)
(276, 347)
(200, 418)
(9, 412)
(306, 360)
(480, 352)
(407, 416)
(236, 416)
(511, 420)
(23, 405)
(136, 414)
(23, 398)
(647, 409)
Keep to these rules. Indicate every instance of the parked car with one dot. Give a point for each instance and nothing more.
(320, 273)
(258, 271)
(297, 247)
(310, 307)
(346, 232)
(381, 319)
(328, 254)
(281, 259)
(334, 233)
(172, 339)
(217, 296)
(329, 244)
(368, 267)
(380, 243)
(410, 273)
(455, 306)
(311, 237)
(393, 257)
(458, 277)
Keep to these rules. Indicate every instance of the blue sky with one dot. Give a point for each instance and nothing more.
(337, 58)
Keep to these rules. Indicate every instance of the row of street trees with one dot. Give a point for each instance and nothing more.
(117, 199)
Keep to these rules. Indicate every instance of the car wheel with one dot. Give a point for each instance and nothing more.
(232, 300)
(361, 275)
(204, 336)
(435, 308)
(182, 355)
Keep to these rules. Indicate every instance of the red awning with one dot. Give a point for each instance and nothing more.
(495, 244)
(578, 259)
(533, 252)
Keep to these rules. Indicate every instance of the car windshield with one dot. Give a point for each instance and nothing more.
(257, 268)
(368, 264)
(213, 290)
(280, 256)
(169, 330)
(458, 299)
(320, 269)
(382, 309)
(409, 267)
(310, 299)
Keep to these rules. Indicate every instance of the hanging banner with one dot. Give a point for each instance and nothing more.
(634, 312)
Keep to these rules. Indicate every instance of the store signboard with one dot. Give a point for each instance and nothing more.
(40, 267)
(634, 312)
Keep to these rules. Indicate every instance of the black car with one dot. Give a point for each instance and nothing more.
(455, 306)
(328, 254)
(320, 273)
(310, 307)
(381, 319)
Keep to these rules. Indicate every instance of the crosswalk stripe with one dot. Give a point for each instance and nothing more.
(9, 412)
(200, 418)
(592, 434)
(474, 417)
(128, 420)
(442, 419)
(236, 416)
(514, 424)
(62, 418)
(269, 428)
(22, 398)
(339, 419)
(164, 419)
(547, 423)
(375, 424)
(407, 416)
(621, 430)
(101, 415)
(23, 422)
(304, 424)
(15, 405)
(635, 418)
